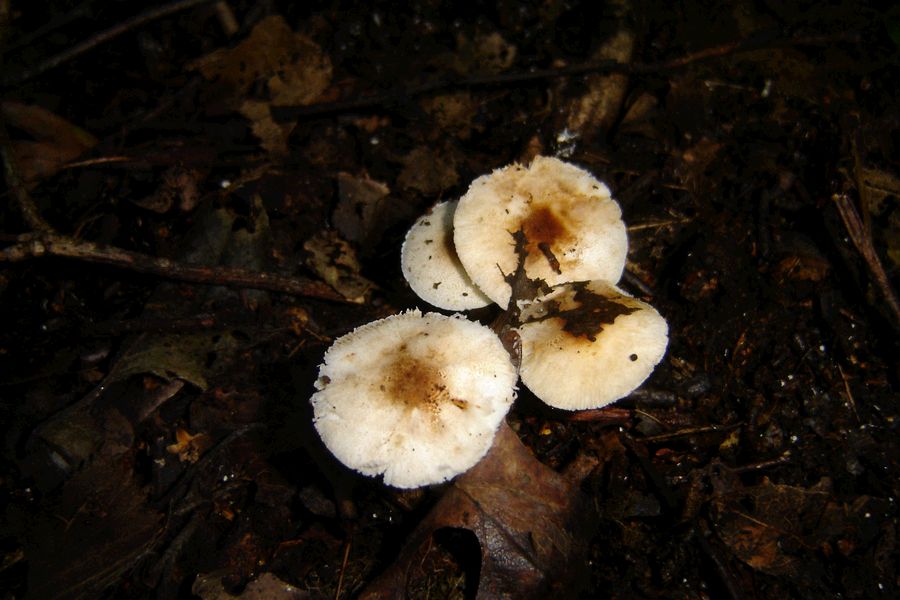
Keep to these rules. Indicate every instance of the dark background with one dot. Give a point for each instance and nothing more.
(155, 430)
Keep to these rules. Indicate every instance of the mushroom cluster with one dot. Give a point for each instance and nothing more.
(547, 244)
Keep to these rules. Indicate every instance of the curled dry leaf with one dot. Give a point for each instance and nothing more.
(599, 107)
(272, 136)
(365, 210)
(294, 67)
(335, 261)
(54, 140)
(529, 521)
(779, 529)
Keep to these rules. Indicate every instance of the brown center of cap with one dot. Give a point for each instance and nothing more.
(418, 383)
(545, 233)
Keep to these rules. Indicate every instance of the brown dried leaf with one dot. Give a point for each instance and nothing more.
(265, 587)
(273, 137)
(781, 530)
(880, 187)
(483, 53)
(364, 210)
(55, 140)
(92, 535)
(294, 67)
(529, 521)
(180, 184)
(599, 107)
(428, 171)
(694, 162)
(335, 261)
(453, 113)
(188, 446)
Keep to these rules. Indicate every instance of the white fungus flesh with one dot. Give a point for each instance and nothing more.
(417, 398)
(587, 344)
(430, 264)
(573, 227)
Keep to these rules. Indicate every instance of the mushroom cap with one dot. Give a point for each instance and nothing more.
(431, 266)
(587, 344)
(573, 226)
(415, 397)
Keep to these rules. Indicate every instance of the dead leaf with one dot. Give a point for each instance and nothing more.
(428, 171)
(483, 53)
(173, 357)
(880, 191)
(92, 535)
(776, 528)
(453, 113)
(881, 186)
(178, 184)
(265, 587)
(695, 160)
(638, 119)
(365, 209)
(55, 140)
(273, 137)
(599, 107)
(189, 447)
(529, 520)
(294, 67)
(335, 261)
(359, 208)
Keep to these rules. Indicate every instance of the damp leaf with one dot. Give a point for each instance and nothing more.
(528, 519)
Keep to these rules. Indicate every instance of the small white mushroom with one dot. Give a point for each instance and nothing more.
(415, 397)
(573, 227)
(587, 344)
(430, 264)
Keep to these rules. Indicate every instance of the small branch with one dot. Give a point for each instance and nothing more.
(859, 234)
(48, 244)
(759, 41)
(102, 37)
(27, 207)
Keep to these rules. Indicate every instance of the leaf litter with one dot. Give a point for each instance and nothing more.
(193, 464)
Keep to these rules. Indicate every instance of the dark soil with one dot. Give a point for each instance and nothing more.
(156, 418)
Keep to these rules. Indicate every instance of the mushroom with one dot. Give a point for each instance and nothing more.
(573, 226)
(415, 397)
(430, 264)
(587, 344)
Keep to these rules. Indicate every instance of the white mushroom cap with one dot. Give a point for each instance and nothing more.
(415, 397)
(573, 227)
(431, 267)
(587, 344)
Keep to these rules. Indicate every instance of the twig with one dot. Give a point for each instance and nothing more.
(726, 577)
(29, 210)
(863, 241)
(754, 42)
(27, 39)
(340, 583)
(859, 231)
(850, 401)
(102, 37)
(227, 20)
(665, 437)
(49, 244)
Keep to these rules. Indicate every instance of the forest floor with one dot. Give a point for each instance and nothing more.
(201, 199)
